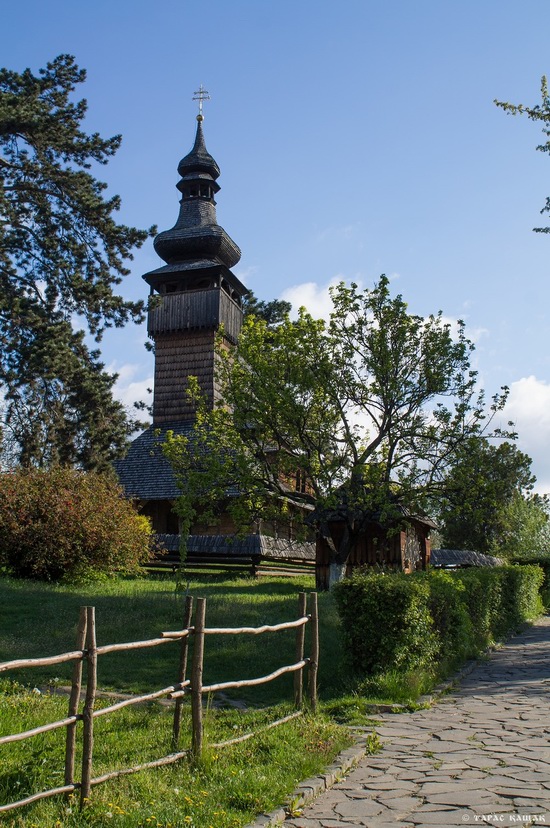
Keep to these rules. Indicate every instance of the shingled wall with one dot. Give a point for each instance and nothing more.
(177, 356)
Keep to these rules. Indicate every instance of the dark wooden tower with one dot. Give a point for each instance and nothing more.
(193, 295)
(197, 292)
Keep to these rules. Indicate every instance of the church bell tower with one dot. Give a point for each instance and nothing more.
(194, 293)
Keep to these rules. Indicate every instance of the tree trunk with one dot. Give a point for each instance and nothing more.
(337, 572)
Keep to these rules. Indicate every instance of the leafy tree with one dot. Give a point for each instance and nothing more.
(65, 524)
(62, 254)
(271, 312)
(356, 419)
(479, 485)
(539, 113)
(524, 527)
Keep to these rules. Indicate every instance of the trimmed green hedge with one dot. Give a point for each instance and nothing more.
(544, 562)
(385, 620)
(403, 622)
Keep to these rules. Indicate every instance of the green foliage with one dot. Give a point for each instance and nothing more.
(500, 599)
(366, 410)
(481, 482)
(524, 527)
(544, 563)
(540, 113)
(450, 616)
(431, 621)
(271, 312)
(386, 621)
(61, 254)
(66, 524)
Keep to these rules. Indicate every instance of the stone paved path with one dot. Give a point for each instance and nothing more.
(478, 756)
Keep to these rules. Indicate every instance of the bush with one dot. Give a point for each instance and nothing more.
(544, 562)
(66, 524)
(386, 621)
(500, 599)
(397, 622)
(450, 616)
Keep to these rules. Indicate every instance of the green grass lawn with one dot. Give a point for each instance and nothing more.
(232, 784)
(41, 619)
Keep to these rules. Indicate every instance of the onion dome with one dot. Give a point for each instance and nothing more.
(199, 159)
(197, 236)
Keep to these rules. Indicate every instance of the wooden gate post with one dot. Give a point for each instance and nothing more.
(314, 662)
(300, 638)
(184, 649)
(74, 700)
(88, 711)
(196, 677)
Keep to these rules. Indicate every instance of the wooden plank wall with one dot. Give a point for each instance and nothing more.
(195, 309)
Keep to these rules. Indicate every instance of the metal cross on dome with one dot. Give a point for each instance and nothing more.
(201, 95)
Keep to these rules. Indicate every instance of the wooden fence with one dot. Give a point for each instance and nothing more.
(88, 652)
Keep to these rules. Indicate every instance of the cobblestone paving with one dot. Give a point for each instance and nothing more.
(479, 756)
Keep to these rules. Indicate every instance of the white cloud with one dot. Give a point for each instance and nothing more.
(529, 407)
(314, 297)
(130, 387)
(474, 334)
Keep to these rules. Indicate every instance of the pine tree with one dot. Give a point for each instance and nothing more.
(61, 253)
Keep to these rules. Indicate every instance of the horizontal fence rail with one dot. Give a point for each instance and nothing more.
(87, 653)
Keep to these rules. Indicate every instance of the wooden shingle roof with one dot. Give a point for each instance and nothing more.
(144, 472)
(454, 558)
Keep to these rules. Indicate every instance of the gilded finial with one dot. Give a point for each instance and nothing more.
(201, 95)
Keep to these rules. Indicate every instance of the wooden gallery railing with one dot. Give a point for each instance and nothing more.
(87, 652)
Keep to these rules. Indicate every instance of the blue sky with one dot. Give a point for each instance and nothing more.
(355, 138)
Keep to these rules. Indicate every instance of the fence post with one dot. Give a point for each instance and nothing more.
(196, 677)
(88, 711)
(184, 649)
(300, 638)
(74, 700)
(314, 662)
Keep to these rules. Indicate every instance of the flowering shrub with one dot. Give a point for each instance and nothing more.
(67, 524)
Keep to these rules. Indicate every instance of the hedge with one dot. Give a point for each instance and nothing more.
(544, 562)
(394, 621)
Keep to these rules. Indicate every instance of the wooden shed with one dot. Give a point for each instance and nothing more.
(405, 548)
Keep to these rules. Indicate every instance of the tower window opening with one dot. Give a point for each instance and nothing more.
(301, 482)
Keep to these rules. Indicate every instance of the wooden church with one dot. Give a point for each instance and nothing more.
(195, 293)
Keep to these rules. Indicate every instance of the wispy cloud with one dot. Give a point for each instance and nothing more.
(529, 407)
(131, 386)
(312, 296)
(336, 232)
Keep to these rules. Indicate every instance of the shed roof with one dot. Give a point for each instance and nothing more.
(462, 557)
(232, 545)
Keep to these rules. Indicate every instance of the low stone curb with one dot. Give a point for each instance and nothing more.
(310, 789)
